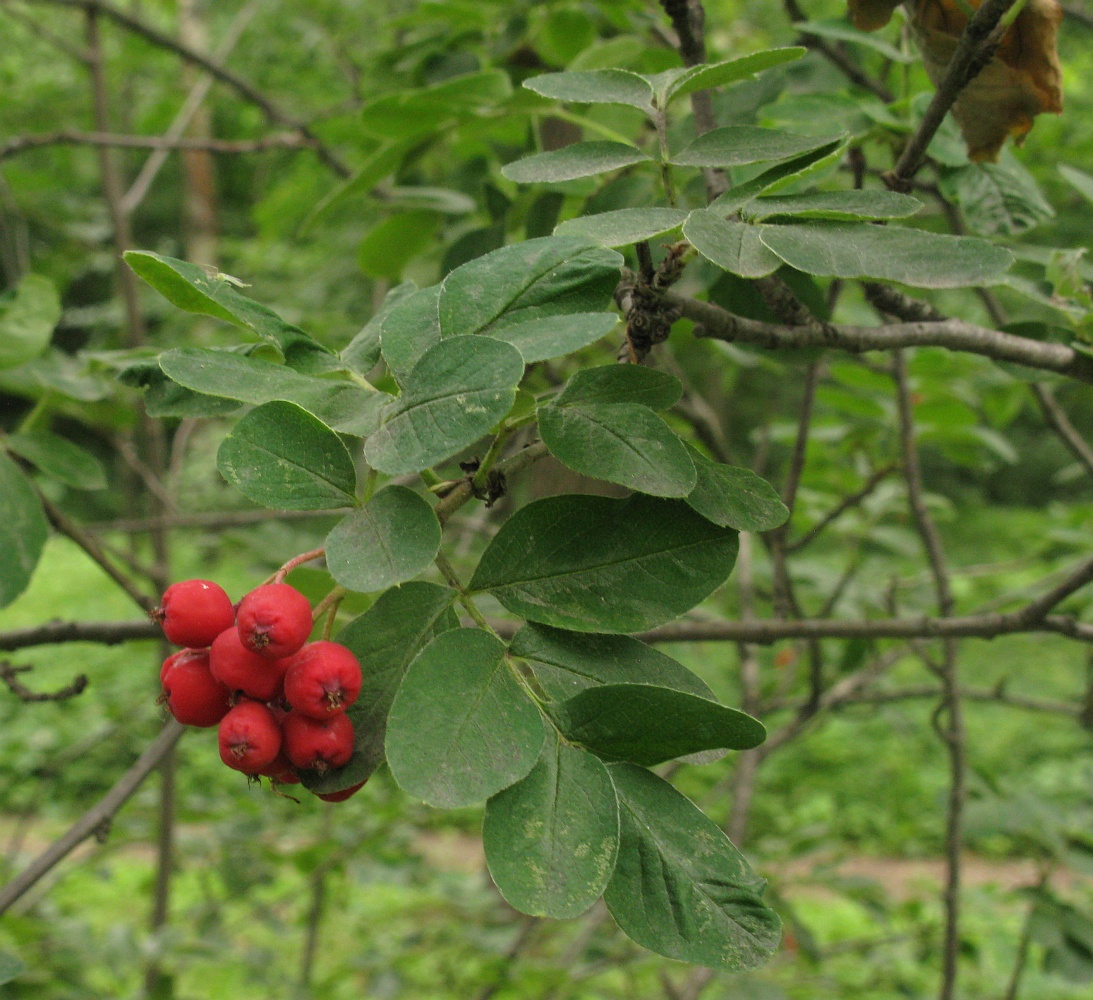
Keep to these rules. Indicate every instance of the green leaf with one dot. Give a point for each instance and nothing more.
(836, 205)
(598, 86)
(624, 226)
(648, 725)
(556, 336)
(27, 318)
(778, 177)
(566, 663)
(459, 389)
(735, 498)
(622, 443)
(736, 145)
(537, 278)
(193, 290)
(12, 967)
(461, 727)
(910, 256)
(679, 887)
(735, 246)
(997, 198)
(380, 164)
(445, 201)
(582, 159)
(23, 531)
(363, 351)
(844, 32)
(392, 243)
(622, 384)
(551, 839)
(281, 456)
(390, 539)
(405, 114)
(409, 329)
(386, 638)
(59, 459)
(707, 75)
(344, 406)
(596, 564)
(1079, 180)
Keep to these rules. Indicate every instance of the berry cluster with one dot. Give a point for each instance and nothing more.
(279, 701)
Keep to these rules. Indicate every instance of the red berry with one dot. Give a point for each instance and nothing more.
(318, 744)
(194, 696)
(274, 620)
(322, 679)
(249, 737)
(280, 770)
(182, 654)
(239, 669)
(194, 612)
(343, 794)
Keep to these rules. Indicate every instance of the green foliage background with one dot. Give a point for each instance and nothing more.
(409, 909)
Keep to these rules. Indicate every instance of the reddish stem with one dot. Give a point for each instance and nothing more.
(304, 557)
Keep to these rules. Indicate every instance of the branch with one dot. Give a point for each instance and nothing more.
(106, 633)
(931, 692)
(96, 821)
(214, 520)
(152, 34)
(973, 52)
(10, 676)
(72, 137)
(952, 334)
(1056, 416)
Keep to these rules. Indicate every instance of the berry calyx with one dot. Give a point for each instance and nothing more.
(274, 621)
(344, 794)
(194, 612)
(318, 744)
(249, 737)
(238, 669)
(322, 679)
(193, 695)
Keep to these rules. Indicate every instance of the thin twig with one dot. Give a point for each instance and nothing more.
(847, 503)
(10, 676)
(1056, 416)
(73, 137)
(96, 821)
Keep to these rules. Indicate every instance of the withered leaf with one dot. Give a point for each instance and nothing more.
(1021, 81)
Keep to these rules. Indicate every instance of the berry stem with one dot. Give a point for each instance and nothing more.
(303, 557)
(329, 603)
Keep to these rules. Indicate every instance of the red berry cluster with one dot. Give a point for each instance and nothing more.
(278, 700)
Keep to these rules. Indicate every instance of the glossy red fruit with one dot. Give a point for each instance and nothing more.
(318, 744)
(322, 679)
(280, 770)
(239, 669)
(344, 794)
(274, 621)
(193, 695)
(249, 737)
(194, 612)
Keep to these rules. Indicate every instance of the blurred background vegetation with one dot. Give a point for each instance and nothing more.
(381, 896)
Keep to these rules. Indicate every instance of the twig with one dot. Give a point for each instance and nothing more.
(953, 731)
(952, 334)
(214, 520)
(847, 503)
(973, 52)
(1056, 416)
(850, 69)
(997, 696)
(96, 821)
(10, 676)
(72, 137)
(66, 526)
(158, 38)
